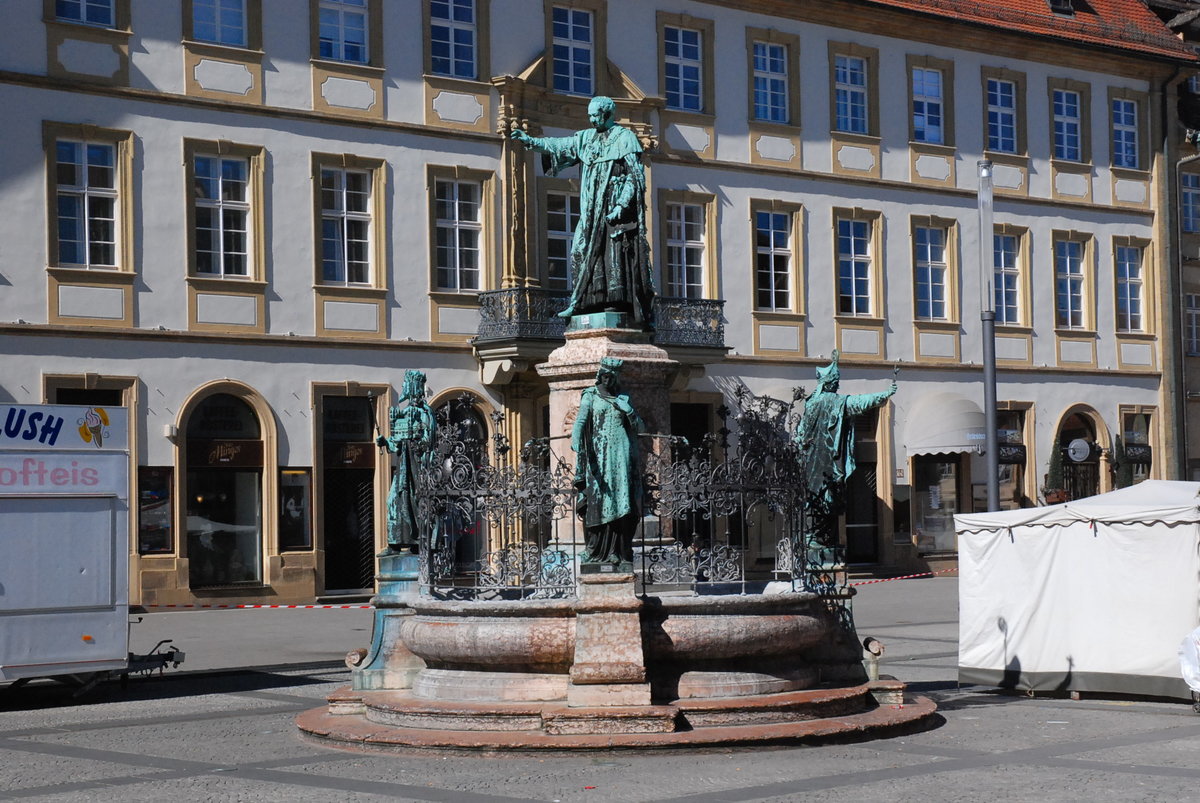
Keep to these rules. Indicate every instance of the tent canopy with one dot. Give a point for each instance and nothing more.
(944, 423)
(1148, 502)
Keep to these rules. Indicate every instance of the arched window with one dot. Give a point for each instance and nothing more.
(224, 493)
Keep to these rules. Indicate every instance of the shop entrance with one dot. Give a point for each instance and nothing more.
(1080, 457)
(224, 494)
(348, 494)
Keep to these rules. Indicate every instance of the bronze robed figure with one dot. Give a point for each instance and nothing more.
(610, 256)
(411, 431)
(608, 476)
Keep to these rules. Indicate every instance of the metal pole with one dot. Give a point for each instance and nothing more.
(987, 315)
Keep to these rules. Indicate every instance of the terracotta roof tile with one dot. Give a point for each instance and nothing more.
(1124, 24)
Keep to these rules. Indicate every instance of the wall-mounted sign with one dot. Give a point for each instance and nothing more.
(1079, 450)
(63, 426)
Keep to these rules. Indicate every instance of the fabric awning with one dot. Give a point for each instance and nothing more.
(944, 423)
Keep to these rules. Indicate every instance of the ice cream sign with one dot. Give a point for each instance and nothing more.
(35, 427)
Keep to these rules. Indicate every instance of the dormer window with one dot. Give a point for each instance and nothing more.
(1062, 7)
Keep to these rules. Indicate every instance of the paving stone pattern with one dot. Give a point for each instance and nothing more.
(226, 733)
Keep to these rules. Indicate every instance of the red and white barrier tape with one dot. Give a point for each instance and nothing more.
(238, 605)
(905, 577)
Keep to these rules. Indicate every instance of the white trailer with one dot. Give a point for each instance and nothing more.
(64, 541)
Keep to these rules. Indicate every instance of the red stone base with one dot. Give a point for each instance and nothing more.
(869, 711)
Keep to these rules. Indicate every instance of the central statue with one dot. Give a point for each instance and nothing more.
(608, 476)
(610, 257)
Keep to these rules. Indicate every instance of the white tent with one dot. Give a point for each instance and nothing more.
(1093, 595)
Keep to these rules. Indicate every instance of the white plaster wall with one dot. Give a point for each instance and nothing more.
(287, 75)
(155, 60)
(171, 371)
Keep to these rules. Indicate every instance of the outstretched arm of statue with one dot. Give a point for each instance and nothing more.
(862, 402)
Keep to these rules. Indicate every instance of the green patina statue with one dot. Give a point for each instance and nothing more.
(411, 429)
(607, 471)
(610, 257)
(825, 436)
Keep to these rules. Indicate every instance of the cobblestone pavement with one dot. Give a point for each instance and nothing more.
(229, 735)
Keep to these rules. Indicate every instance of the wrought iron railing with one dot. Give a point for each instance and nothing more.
(532, 312)
(723, 516)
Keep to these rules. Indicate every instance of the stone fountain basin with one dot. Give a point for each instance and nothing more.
(694, 646)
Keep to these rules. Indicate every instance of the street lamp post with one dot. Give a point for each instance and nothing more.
(987, 314)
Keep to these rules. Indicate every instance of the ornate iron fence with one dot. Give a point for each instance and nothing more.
(722, 516)
(532, 312)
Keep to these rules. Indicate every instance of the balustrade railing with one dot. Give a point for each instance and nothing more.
(532, 312)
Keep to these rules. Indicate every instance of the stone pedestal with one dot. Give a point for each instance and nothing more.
(646, 378)
(387, 663)
(610, 666)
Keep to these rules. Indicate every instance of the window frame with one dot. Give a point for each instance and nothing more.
(482, 54)
(489, 256)
(373, 12)
(794, 214)
(707, 29)
(599, 11)
(1083, 93)
(255, 158)
(876, 267)
(1020, 110)
(122, 143)
(376, 248)
(709, 268)
(948, 266)
(685, 246)
(1087, 282)
(1191, 324)
(118, 8)
(946, 69)
(1144, 283)
(1021, 271)
(568, 189)
(791, 47)
(1187, 193)
(870, 59)
(1141, 128)
(252, 22)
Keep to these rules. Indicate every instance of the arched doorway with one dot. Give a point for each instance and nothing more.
(1080, 448)
(223, 490)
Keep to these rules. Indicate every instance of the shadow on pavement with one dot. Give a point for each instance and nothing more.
(52, 693)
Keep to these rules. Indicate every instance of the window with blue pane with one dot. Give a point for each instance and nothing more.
(927, 106)
(1007, 277)
(1129, 288)
(343, 30)
(572, 50)
(453, 33)
(1068, 138)
(770, 82)
(683, 68)
(88, 12)
(86, 203)
(222, 22)
(850, 87)
(1002, 116)
(929, 262)
(1068, 284)
(854, 267)
(1189, 201)
(1125, 133)
(773, 260)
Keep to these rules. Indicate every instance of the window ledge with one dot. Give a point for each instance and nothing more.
(243, 283)
(465, 84)
(1132, 173)
(854, 136)
(861, 320)
(117, 33)
(1014, 328)
(1146, 336)
(1080, 334)
(365, 70)
(223, 51)
(772, 127)
(938, 325)
(1068, 166)
(114, 275)
(779, 315)
(1006, 158)
(351, 290)
(932, 147)
(446, 296)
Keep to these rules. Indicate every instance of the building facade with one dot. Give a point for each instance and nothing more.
(245, 223)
